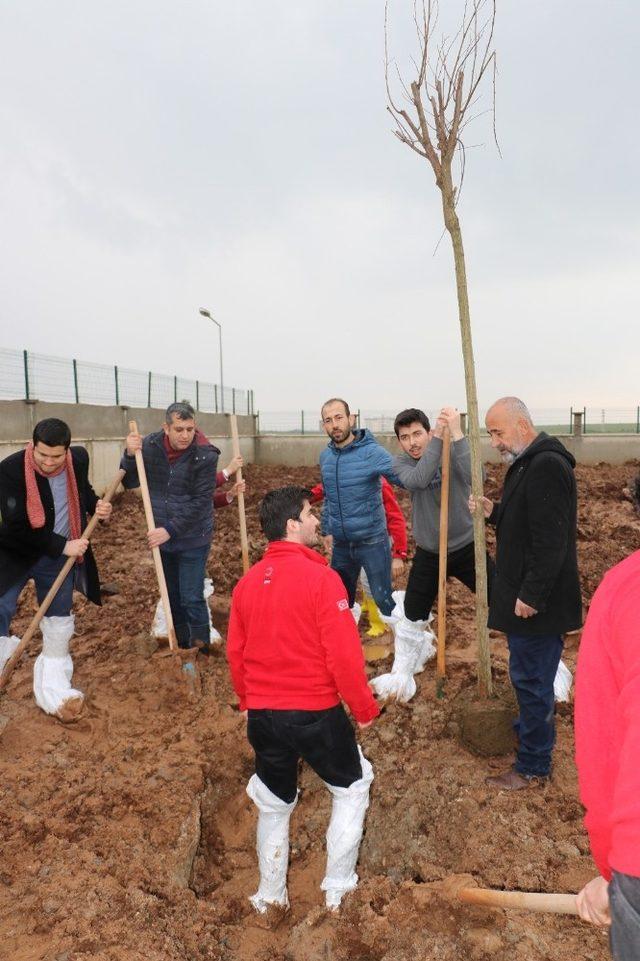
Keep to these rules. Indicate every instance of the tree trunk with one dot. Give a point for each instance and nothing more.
(477, 486)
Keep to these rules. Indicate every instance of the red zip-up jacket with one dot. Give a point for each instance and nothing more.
(607, 720)
(396, 524)
(292, 642)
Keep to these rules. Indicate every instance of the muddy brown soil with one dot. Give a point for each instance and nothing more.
(128, 835)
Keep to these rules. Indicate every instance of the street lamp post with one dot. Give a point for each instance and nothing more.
(207, 313)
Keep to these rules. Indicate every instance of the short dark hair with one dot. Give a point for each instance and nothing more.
(412, 415)
(279, 506)
(52, 432)
(335, 400)
(182, 409)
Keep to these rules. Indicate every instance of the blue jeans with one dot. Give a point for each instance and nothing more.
(44, 573)
(624, 900)
(533, 662)
(184, 572)
(348, 557)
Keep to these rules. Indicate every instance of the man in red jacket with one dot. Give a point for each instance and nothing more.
(607, 722)
(294, 653)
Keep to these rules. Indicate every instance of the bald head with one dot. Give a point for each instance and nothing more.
(510, 427)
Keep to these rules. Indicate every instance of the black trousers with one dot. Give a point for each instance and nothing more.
(422, 586)
(624, 898)
(324, 739)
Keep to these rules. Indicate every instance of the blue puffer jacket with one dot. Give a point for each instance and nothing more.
(353, 508)
(181, 493)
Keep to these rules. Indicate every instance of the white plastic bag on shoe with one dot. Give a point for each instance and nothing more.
(344, 835)
(159, 626)
(411, 641)
(53, 669)
(272, 845)
(356, 610)
(7, 648)
(562, 682)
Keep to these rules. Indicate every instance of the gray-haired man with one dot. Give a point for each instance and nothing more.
(180, 464)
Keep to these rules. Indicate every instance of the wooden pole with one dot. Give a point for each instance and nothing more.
(442, 564)
(520, 900)
(157, 560)
(244, 540)
(53, 590)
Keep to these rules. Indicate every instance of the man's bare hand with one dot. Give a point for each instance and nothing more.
(234, 464)
(397, 568)
(103, 510)
(76, 548)
(158, 536)
(524, 610)
(134, 443)
(487, 505)
(593, 902)
(238, 488)
(363, 727)
(450, 417)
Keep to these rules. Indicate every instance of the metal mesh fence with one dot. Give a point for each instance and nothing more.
(29, 376)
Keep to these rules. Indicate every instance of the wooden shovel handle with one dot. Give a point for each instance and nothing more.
(442, 564)
(55, 587)
(244, 540)
(520, 900)
(155, 551)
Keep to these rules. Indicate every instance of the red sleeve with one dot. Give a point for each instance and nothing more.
(343, 650)
(220, 499)
(607, 719)
(236, 640)
(220, 479)
(396, 524)
(317, 494)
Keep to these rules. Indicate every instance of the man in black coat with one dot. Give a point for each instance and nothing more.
(535, 596)
(45, 496)
(180, 465)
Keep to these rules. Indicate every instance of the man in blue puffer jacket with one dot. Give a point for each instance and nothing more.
(180, 464)
(352, 466)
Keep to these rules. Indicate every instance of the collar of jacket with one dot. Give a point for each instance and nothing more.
(362, 435)
(284, 548)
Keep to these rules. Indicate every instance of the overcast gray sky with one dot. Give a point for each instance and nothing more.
(159, 156)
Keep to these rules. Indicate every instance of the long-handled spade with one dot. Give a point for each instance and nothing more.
(53, 590)
(244, 540)
(442, 565)
(460, 887)
(155, 551)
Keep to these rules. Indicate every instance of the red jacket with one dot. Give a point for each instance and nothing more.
(607, 720)
(292, 642)
(396, 524)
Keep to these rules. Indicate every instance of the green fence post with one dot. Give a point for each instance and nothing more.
(75, 380)
(117, 385)
(571, 420)
(25, 357)
(175, 388)
(215, 397)
(302, 421)
(258, 422)
(637, 420)
(233, 399)
(197, 395)
(248, 404)
(149, 391)
(584, 420)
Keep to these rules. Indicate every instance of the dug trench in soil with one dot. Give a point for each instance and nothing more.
(128, 836)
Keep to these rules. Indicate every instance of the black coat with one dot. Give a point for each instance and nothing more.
(536, 558)
(20, 544)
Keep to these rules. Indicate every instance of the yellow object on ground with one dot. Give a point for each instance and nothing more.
(376, 626)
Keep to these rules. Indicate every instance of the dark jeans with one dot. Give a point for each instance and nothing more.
(185, 572)
(324, 739)
(348, 557)
(44, 573)
(624, 900)
(533, 662)
(422, 586)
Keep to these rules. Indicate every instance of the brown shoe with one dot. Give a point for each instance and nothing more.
(511, 780)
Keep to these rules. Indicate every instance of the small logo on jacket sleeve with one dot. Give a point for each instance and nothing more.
(343, 605)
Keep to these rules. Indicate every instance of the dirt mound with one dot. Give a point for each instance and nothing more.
(129, 834)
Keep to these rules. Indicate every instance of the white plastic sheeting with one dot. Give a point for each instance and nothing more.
(159, 626)
(344, 835)
(53, 669)
(7, 647)
(562, 682)
(272, 845)
(356, 610)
